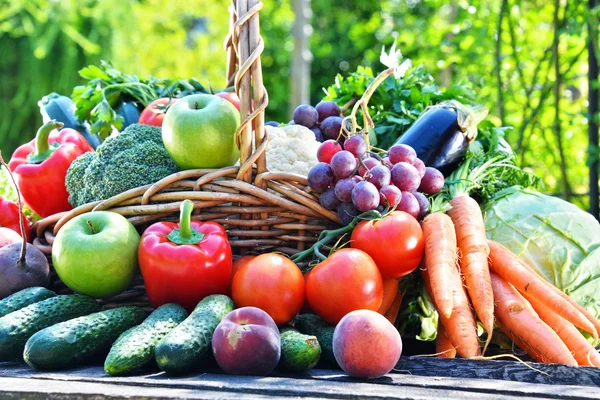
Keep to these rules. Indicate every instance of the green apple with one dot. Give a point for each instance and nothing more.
(96, 253)
(199, 132)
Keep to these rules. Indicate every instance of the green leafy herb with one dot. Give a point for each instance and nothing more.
(396, 103)
(107, 88)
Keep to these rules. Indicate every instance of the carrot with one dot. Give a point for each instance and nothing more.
(565, 296)
(583, 352)
(518, 320)
(472, 242)
(507, 265)
(460, 326)
(392, 313)
(443, 346)
(440, 259)
(390, 288)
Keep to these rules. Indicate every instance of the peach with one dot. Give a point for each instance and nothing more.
(247, 342)
(366, 345)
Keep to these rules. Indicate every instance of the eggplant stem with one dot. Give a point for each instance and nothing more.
(21, 223)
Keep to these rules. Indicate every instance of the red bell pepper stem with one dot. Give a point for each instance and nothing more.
(43, 150)
(185, 234)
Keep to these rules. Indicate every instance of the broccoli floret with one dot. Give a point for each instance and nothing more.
(133, 158)
(74, 180)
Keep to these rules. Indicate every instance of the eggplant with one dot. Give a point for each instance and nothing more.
(62, 109)
(442, 134)
(130, 111)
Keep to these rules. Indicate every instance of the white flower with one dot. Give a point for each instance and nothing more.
(392, 60)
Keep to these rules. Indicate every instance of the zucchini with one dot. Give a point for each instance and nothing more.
(135, 347)
(189, 345)
(67, 343)
(17, 327)
(299, 352)
(23, 298)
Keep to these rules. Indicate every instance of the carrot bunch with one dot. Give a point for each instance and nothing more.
(500, 290)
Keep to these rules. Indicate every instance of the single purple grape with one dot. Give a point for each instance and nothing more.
(420, 166)
(272, 123)
(327, 109)
(306, 115)
(402, 153)
(365, 196)
(331, 127)
(432, 182)
(369, 162)
(343, 164)
(328, 199)
(347, 212)
(405, 177)
(391, 195)
(318, 134)
(356, 145)
(423, 205)
(379, 176)
(320, 177)
(343, 189)
(409, 204)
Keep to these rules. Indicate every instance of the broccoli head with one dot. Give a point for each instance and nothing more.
(133, 158)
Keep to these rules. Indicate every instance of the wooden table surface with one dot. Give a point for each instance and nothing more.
(414, 378)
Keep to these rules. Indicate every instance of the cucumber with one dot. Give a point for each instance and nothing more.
(299, 352)
(311, 324)
(23, 298)
(135, 347)
(17, 327)
(190, 344)
(69, 342)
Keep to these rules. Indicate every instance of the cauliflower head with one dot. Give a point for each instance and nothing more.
(291, 148)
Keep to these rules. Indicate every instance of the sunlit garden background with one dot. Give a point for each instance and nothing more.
(527, 61)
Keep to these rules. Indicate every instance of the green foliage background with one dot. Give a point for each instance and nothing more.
(43, 43)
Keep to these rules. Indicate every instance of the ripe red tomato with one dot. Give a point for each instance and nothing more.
(154, 113)
(239, 263)
(395, 243)
(272, 283)
(347, 281)
(231, 97)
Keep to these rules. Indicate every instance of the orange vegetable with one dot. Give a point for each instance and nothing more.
(440, 260)
(474, 250)
(520, 322)
(460, 326)
(508, 266)
(583, 352)
(392, 313)
(390, 289)
(443, 346)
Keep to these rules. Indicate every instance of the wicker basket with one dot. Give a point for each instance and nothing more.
(262, 211)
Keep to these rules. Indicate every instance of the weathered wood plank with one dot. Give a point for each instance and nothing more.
(551, 374)
(315, 384)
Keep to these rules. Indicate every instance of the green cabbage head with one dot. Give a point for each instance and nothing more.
(555, 237)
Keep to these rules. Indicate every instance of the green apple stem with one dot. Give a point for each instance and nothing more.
(21, 216)
(91, 226)
(195, 105)
(43, 150)
(185, 234)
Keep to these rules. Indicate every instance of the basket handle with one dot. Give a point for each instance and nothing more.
(244, 46)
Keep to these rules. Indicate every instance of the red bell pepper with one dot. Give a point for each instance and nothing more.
(41, 165)
(184, 262)
(9, 217)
